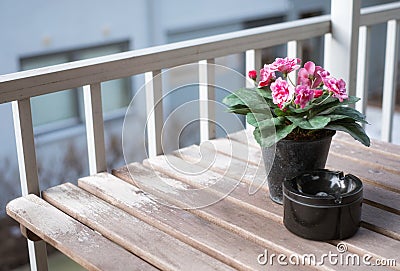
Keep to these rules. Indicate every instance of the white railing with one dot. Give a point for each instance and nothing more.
(342, 30)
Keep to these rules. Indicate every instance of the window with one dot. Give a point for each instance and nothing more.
(65, 108)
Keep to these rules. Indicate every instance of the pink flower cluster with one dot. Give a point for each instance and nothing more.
(312, 82)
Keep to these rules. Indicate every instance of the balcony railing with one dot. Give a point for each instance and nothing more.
(346, 32)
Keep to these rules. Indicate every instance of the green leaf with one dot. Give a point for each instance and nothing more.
(267, 139)
(255, 118)
(246, 97)
(266, 93)
(352, 128)
(315, 123)
(328, 107)
(347, 112)
(279, 112)
(239, 109)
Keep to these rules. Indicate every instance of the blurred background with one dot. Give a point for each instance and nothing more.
(42, 32)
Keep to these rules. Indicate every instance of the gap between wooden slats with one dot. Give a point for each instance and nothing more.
(29, 180)
(154, 109)
(94, 128)
(207, 99)
(390, 77)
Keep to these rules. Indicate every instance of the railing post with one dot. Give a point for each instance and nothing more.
(294, 49)
(362, 70)
(390, 76)
(154, 108)
(94, 128)
(25, 144)
(207, 99)
(341, 46)
(253, 62)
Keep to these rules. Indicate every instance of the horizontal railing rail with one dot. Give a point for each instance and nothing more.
(40, 81)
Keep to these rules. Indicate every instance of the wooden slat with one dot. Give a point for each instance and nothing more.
(216, 186)
(72, 238)
(381, 198)
(358, 243)
(29, 180)
(246, 137)
(377, 146)
(365, 156)
(246, 223)
(201, 234)
(207, 99)
(390, 199)
(381, 178)
(373, 219)
(154, 109)
(26, 84)
(94, 128)
(249, 220)
(390, 79)
(377, 245)
(375, 177)
(381, 221)
(145, 241)
(253, 175)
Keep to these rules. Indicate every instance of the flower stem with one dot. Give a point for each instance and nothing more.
(329, 95)
(290, 80)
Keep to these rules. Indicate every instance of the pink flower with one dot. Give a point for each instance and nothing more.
(285, 65)
(282, 92)
(266, 76)
(311, 75)
(303, 95)
(336, 87)
(318, 93)
(253, 74)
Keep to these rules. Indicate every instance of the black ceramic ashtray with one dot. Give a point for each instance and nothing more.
(322, 205)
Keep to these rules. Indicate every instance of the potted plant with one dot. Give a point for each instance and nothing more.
(295, 118)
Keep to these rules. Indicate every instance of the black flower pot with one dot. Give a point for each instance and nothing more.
(323, 205)
(292, 158)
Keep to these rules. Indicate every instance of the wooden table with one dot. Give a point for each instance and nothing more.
(125, 221)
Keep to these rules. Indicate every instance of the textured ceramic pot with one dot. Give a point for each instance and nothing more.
(292, 158)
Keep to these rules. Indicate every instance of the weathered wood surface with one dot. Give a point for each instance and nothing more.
(383, 220)
(149, 243)
(207, 208)
(225, 214)
(202, 234)
(72, 238)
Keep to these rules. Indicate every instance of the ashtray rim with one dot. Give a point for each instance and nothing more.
(317, 200)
